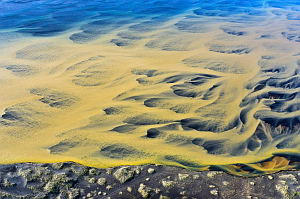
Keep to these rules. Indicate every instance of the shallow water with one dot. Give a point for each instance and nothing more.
(196, 84)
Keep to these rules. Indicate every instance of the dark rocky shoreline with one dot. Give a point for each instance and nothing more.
(70, 180)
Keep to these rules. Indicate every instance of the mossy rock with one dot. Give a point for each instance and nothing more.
(124, 174)
(102, 181)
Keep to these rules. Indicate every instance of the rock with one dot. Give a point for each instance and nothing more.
(214, 192)
(26, 173)
(92, 180)
(213, 174)
(6, 183)
(109, 187)
(151, 170)
(144, 190)
(183, 176)
(79, 170)
(124, 174)
(196, 177)
(168, 183)
(62, 196)
(283, 182)
(66, 184)
(73, 193)
(109, 171)
(58, 165)
(225, 183)
(289, 177)
(94, 171)
(82, 192)
(283, 189)
(137, 170)
(56, 181)
(163, 197)
(157, 190)
(101, 181)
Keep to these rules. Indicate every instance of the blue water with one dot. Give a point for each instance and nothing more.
(48, 18)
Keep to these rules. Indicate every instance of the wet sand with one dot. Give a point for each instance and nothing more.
(199, 90)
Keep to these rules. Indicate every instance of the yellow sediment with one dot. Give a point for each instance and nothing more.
(85, 124)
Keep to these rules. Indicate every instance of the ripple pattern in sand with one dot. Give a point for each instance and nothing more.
(206, 87)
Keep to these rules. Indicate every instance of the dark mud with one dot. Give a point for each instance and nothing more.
(71, 180)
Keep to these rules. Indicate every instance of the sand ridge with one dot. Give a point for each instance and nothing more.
(192, 91)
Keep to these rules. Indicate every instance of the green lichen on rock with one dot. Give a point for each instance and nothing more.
(283, 189)
(94, 171)
(137, 170)
(252, 183)
(294, 194)
(109, 187)
(213, 174)
(163, 197)
(286, 191)
(58, 181)
(151, 170)
(144, 190)
(167, 184)
(26, 173)
(109, 170)
(92, 180)
(196, 176)
(225, 183)
(183, 176)
(157, 190)
(129, 189)
(79, 169)
(73, 193)
(43, 174)
(58, 165)
(214, 192)
(182, 193)
(290, 177)
(62, 195)
(7, 183)
(41, 195)
(101, 181)
(36, 188)
(123, 174)
(270, 177)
